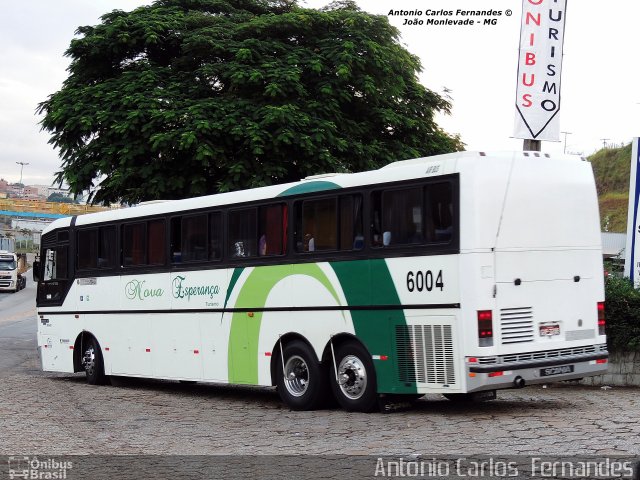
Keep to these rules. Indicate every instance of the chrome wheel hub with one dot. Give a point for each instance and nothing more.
(89, 360)
(352, 377)
(296, 376)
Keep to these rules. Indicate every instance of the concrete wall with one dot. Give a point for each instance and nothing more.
(624, 370)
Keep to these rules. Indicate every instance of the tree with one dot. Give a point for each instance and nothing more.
(191, 97)
(59, 197)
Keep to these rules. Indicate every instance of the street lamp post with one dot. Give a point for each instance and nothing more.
(22, 164)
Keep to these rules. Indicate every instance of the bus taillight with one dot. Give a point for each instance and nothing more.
(601, 320)
(485, 328)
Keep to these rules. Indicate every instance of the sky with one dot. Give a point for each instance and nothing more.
(477, 65)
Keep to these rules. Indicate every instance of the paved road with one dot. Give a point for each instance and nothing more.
(60, 414)
(17, 326)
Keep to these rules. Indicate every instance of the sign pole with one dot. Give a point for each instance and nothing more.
(631, 262)
(532, 145)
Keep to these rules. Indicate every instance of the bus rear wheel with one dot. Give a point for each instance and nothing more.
(355, 386)
(93, 363)
(302, 384)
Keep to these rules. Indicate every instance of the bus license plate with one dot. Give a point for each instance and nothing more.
(549, 330)
(561, 370)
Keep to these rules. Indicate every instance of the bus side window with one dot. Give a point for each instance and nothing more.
(215, 236)
(175, 240)
(317, 225)
(107, 247)
(242, 233)
(155, 242)
(87, 249)
(273, 230)
(96, 248)
(351, 227)
(376, 219)
(439, 218)
(133, 244)
(398, 217)
(194, 238)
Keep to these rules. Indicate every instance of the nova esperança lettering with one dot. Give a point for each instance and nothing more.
(135, 289)
(180, 290)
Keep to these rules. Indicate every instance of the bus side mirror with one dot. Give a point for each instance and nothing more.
(36, 270)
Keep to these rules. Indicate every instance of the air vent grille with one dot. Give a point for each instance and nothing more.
(425, 354)
(516, 325)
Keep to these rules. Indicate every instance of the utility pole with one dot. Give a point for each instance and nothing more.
(604, 142)
(565, 141)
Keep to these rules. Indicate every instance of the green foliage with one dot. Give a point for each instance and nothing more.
(191, 97)
(622, 314)
(613, 211)
(611, 167)
(60, 198)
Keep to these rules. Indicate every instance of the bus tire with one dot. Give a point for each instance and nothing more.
(355, 387)
(93, 363)
(302, 383)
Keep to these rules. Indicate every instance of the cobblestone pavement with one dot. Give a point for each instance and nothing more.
(60, 414)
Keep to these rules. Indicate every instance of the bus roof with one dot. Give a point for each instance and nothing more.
(401, 170)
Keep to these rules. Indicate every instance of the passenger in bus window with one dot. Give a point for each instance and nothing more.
(386, 238)
(239, 250)
(309, 243)
(262, 245)
(358, 242)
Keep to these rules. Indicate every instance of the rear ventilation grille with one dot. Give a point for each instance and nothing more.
(425, 354)
(516, 325)
(552, 354)
(543, 355)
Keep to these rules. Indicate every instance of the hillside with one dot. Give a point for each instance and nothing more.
(611, 169)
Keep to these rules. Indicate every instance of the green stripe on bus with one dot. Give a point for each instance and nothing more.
(232, 283)
(245, 329)
(370, 283)
(309, 187)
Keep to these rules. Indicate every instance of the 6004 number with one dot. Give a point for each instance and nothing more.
(428, 280)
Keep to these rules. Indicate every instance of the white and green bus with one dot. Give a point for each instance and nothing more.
(458, 274)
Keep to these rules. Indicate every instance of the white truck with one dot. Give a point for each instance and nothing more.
(12, 267)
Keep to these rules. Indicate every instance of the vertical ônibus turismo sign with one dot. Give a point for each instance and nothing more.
(631, 262)
(539, 69)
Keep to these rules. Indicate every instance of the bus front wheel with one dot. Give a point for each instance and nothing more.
(353, 378)
(93, 363)
(302, 384)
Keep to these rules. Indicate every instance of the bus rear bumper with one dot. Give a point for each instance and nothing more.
(501, 376)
